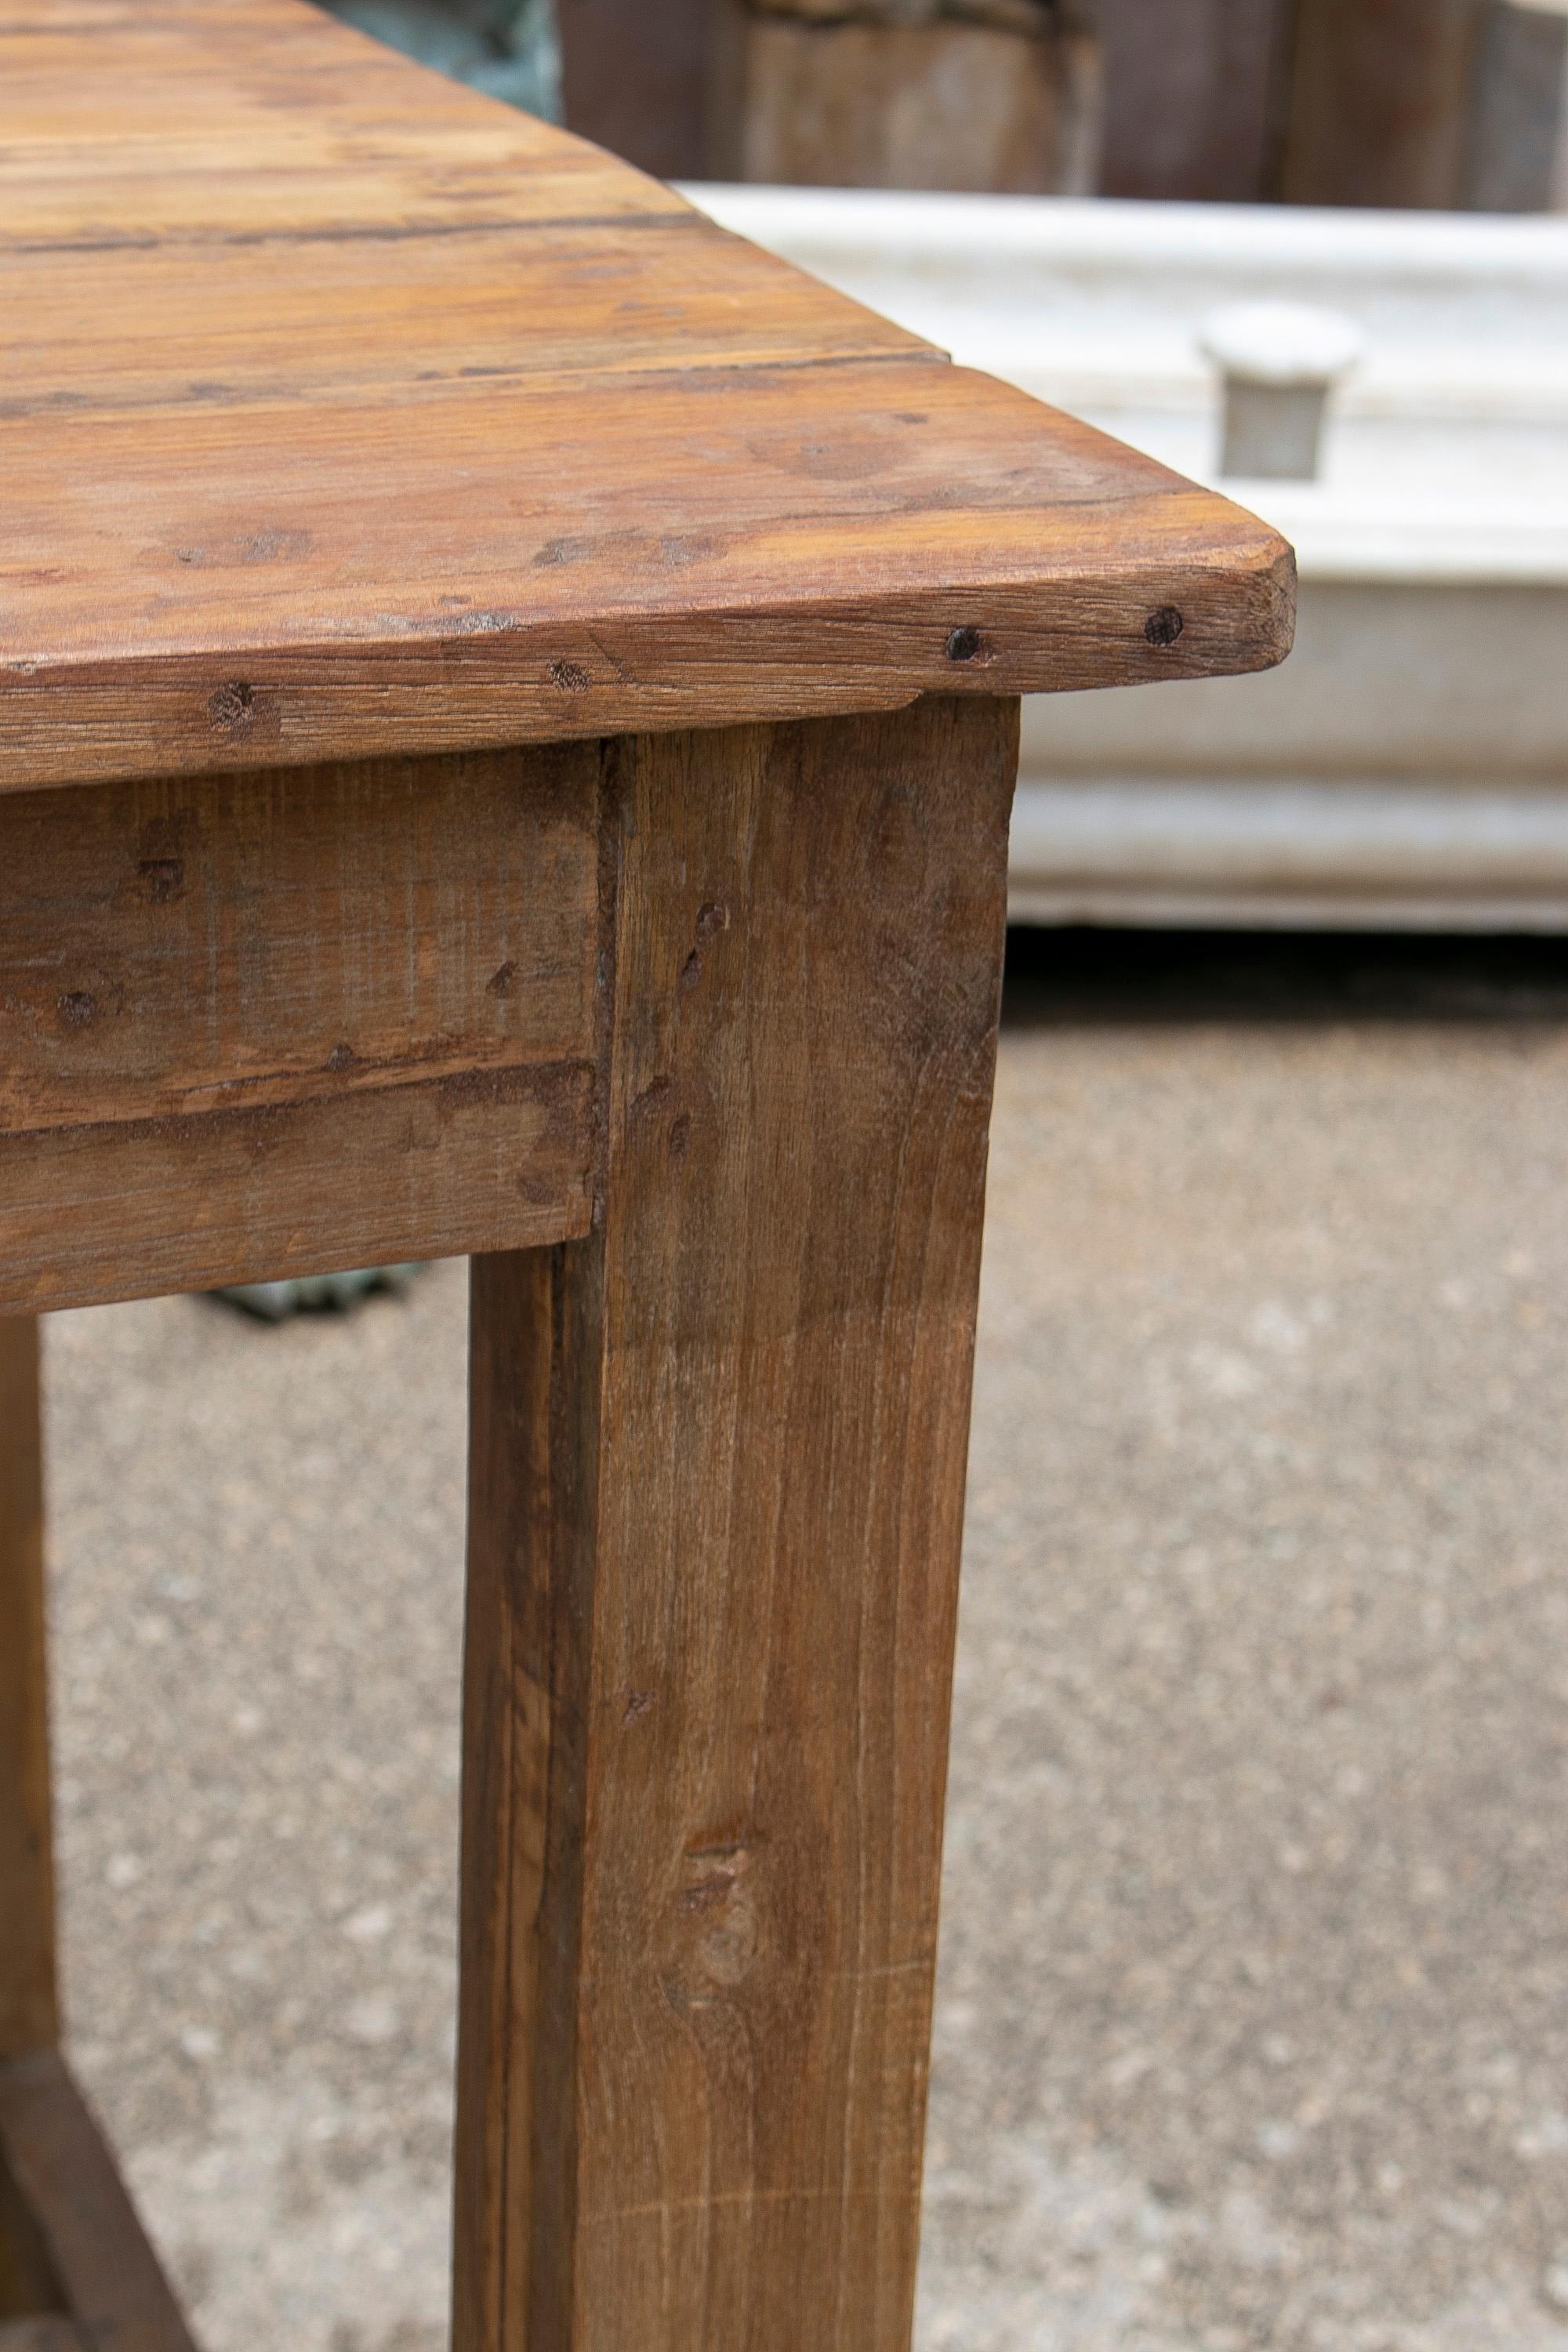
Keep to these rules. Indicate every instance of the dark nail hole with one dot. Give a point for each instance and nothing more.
(963, 644)
(162, 879)
(1163, 627)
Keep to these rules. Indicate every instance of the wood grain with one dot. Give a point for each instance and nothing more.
(716, 1495)
(343, 412)
(57, 2159)
(173, 947)
(29, 2010)
(291, 1021)
(436, 1170)
(127, 123)
(403, 322)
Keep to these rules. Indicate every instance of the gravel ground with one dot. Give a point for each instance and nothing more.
(1253, 2018)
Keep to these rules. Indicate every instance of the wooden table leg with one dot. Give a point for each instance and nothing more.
(29, 2020)
(28, 2007)
(76, 2269)
(718, 1465)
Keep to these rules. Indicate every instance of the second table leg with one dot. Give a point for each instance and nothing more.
(28, 2007)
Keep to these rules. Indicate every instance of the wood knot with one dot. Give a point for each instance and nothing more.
(1163, 627)
(569, 677)
(233, 708)
(719, 1931)
(711, 918)
(78, 1008)
(963, 644)
(650, 1097)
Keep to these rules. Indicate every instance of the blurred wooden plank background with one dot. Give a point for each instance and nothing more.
(1447, 104)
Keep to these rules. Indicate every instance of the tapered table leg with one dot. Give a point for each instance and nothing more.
(718, 1465)
(28, 2007)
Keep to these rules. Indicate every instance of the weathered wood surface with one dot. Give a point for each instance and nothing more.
(285, 1022)
(30, 2015)
(57, 2161)
(436, 1170)
(344, 411)
(834, 96)
(717, 1494)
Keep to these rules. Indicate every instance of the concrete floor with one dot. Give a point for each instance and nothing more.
(1253, 2018)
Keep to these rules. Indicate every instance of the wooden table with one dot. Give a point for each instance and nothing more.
(506, 723)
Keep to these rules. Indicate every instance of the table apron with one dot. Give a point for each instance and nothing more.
(263, 1025)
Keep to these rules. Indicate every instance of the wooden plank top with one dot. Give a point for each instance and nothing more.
(344, 411)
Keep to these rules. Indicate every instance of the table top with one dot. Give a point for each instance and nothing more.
(344, 411)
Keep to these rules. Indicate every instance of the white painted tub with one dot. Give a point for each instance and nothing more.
(1409, 764)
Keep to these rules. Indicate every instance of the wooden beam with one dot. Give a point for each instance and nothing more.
(30, 2007)
(718, 1465)
(282, 1023)
(60, 2164)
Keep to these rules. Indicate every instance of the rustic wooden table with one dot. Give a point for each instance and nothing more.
(507, 724)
